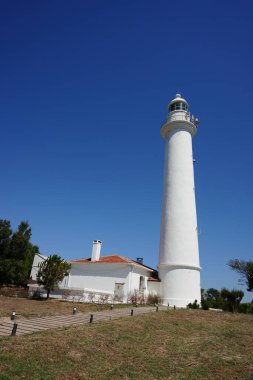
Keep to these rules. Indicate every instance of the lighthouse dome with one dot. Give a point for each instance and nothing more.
(178, 104)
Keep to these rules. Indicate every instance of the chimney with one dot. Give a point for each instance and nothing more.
(139, 260)
(96, 250)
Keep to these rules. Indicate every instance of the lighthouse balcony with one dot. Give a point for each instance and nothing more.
(176, 116)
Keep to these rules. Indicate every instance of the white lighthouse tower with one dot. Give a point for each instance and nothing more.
(178, 267)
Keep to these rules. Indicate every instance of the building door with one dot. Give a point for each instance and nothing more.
(119, 292)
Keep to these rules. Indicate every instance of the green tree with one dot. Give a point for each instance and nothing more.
(22, 251)
(245, 269)
(5, 241)
(5, 238)
(51, 272)
(211, 298)
(16, 253)
(231, 299)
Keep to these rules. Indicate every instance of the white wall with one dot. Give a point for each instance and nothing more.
(134, 280)
(179, 235)
(154, 287)
(36, 261)
(180, 286)
(98, 276)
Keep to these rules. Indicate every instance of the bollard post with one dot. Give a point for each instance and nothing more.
(132, 312)
(156, 308)
(91, 318)
(13, 316)
(74, 310)
(14, 329)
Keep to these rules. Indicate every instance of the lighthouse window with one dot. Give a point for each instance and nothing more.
(178, 106)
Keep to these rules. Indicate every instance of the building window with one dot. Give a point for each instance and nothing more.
(141, 284)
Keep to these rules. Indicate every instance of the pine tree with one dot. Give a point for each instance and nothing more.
(16, 253)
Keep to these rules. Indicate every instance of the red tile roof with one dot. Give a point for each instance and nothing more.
(111, 260)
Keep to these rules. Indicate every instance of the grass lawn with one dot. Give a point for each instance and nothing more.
(29, 308)
(181, 344)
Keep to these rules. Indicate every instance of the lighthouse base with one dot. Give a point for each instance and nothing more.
(180, 285)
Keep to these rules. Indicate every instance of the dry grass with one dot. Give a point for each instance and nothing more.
(29, 308)
(181, 344)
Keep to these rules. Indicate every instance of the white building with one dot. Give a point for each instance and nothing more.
(111, 278)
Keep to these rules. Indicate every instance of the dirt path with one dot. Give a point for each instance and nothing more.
(28, 326)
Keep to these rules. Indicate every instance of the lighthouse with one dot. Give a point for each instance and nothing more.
(179, 269)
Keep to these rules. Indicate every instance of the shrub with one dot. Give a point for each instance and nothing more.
(37, 294)
(9, 291)
(205, 305)
(154, 299)
(103, 299)
(193, 305)
(246, 308)
(136, 297)
(66, 294)
(227, 300)
(91, 297)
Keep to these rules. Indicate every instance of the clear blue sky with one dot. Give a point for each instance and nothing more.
(84, 88)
